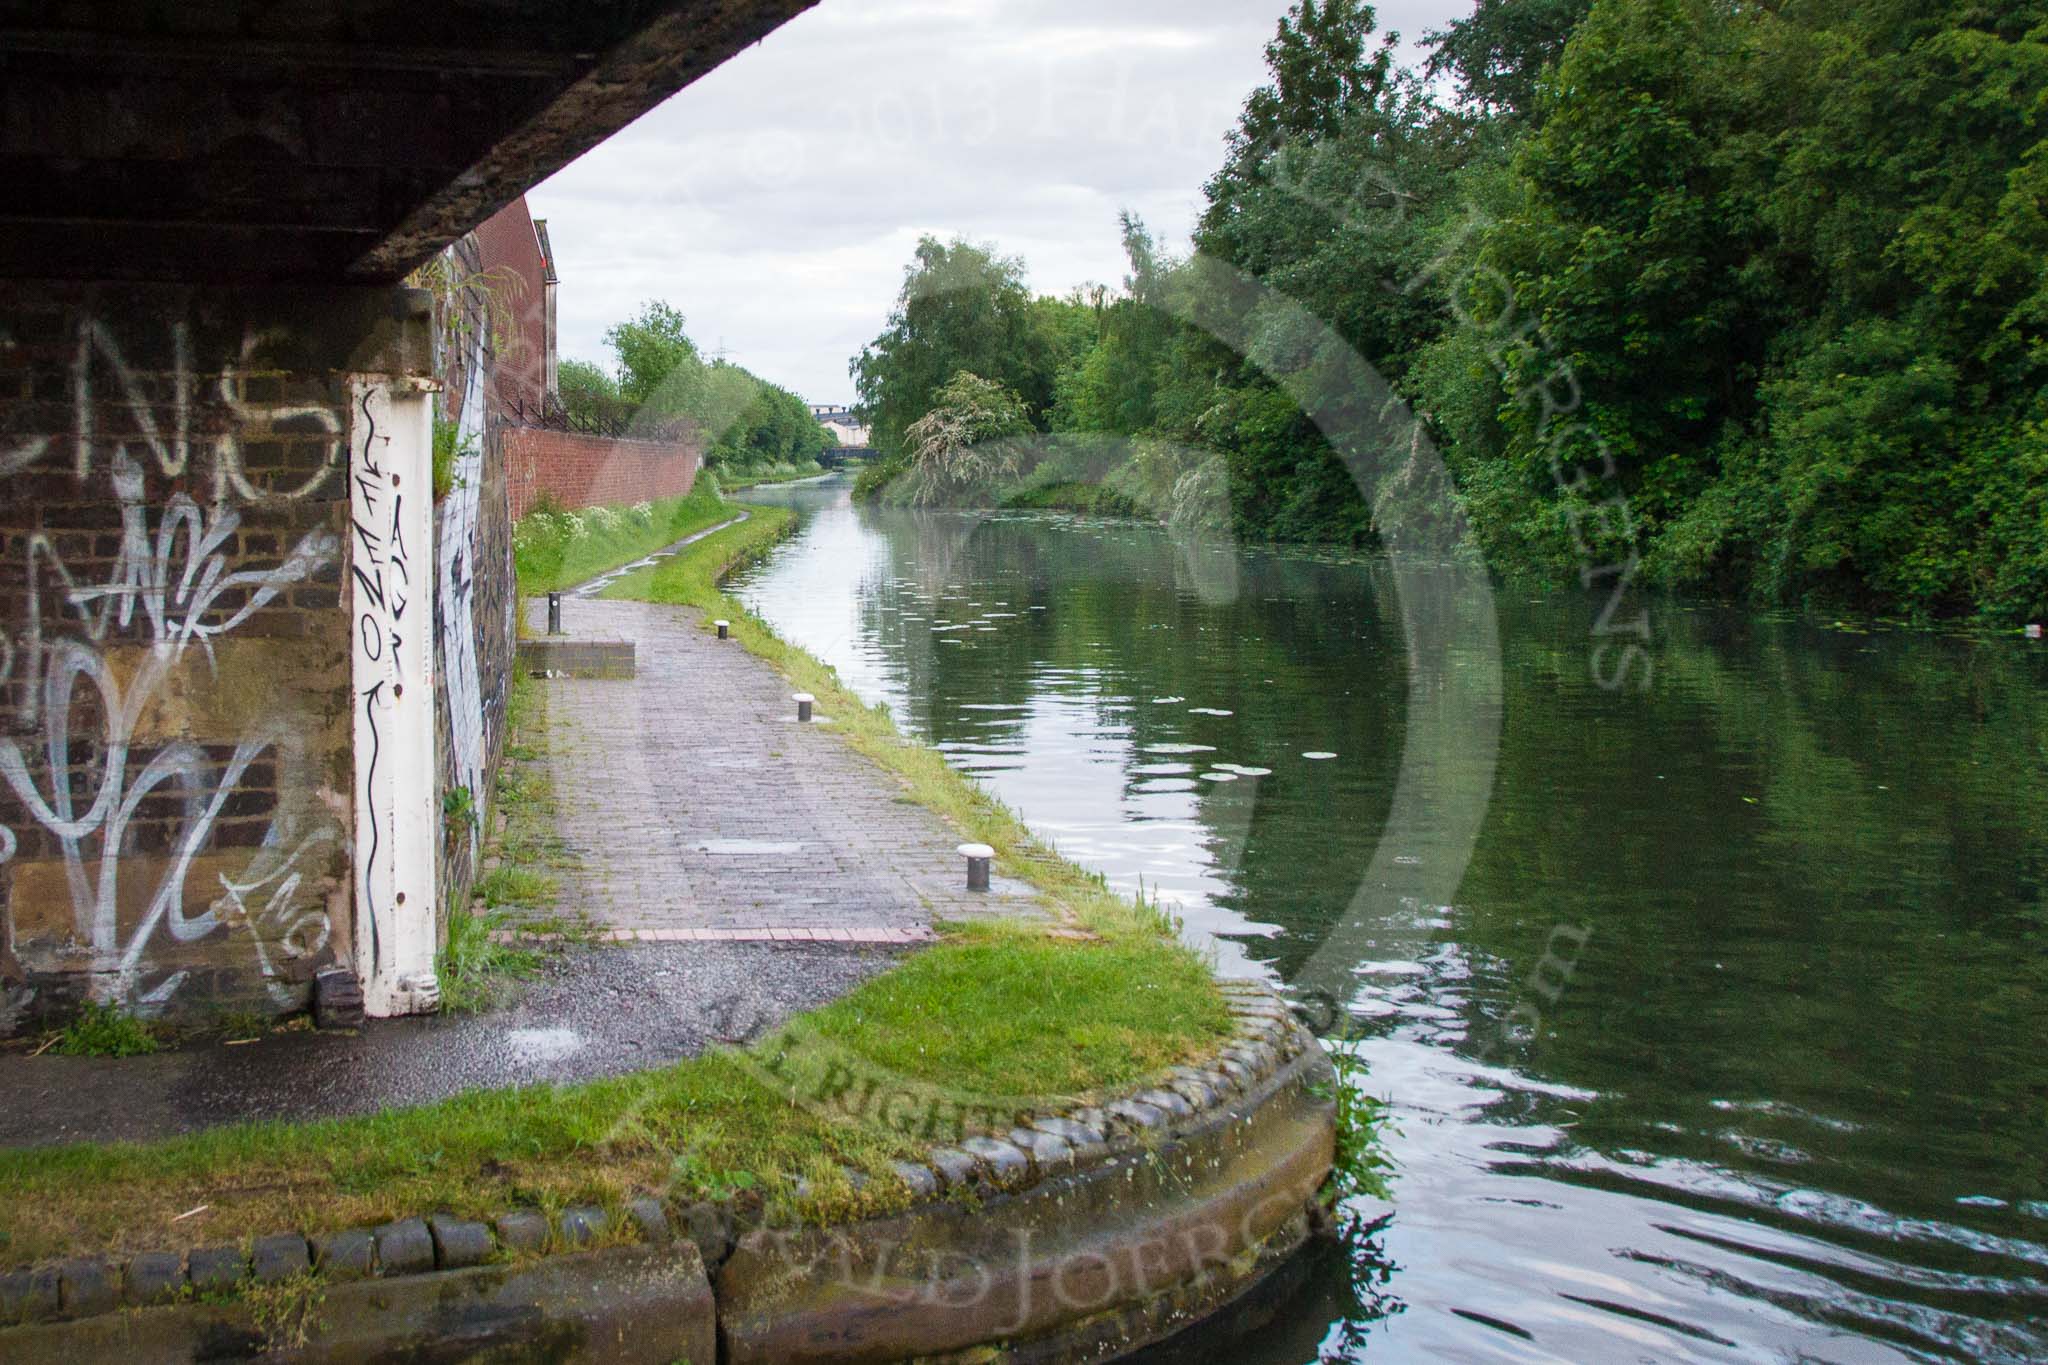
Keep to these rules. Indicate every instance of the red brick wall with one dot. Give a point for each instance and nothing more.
(592, 471)
(517, 278)
(505, 293)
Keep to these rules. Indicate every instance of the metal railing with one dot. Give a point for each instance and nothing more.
(546, 416)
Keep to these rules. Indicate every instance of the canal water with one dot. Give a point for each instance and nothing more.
(1711, 1013)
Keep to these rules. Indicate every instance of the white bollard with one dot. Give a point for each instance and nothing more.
(803, 706)
(978, 856)
(724, 629)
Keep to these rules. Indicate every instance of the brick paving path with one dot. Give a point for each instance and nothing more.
(701, 810)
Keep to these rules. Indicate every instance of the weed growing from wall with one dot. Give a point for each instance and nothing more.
(106, 1031)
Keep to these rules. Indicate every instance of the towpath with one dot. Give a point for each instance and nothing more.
(699, 808)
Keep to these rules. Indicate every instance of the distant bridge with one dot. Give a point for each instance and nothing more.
(836, 456)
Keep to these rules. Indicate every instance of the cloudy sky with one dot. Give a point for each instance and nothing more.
(777, 200)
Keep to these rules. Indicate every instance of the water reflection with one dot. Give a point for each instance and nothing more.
(1787, 1092)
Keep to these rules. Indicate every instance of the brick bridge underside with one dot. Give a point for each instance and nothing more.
(218, 570)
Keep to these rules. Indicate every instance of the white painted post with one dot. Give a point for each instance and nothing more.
(391, 599)
(979, 857)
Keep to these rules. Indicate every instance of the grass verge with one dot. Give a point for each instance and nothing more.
(517, 890)
(731, 479)
(553, 548)
(1101, 999)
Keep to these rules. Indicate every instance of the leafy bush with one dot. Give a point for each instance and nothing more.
(965, 447)
(105, 1031)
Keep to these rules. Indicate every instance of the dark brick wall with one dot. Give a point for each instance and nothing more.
(174, 655)
(590, 471)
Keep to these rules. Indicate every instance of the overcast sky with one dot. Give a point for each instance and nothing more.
(777, 200)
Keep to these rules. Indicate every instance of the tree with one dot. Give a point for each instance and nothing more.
(747, 422)
(1497, 52)
(651, 348)
(962, 307)
(1324, 68)
(1793, 261)
(1111, 386)
(1751, 296)
(588, 393)
(966, 445)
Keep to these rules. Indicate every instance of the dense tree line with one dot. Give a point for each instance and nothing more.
(749, 424)
(1751, 297)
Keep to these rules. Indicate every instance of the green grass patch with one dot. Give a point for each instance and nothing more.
(519, 891)
(555, 548)
(1025, 1014)
(515, 886)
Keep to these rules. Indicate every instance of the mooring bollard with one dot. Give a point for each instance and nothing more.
(803, 706)
(554, 613)
(724, 629)
(978, 856)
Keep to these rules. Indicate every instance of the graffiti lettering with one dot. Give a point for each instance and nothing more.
(96, 654)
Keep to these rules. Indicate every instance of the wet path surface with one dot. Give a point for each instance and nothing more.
(592, 1012)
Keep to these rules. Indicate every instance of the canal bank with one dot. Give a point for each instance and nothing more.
(1144, 1172)
(1777, 917)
